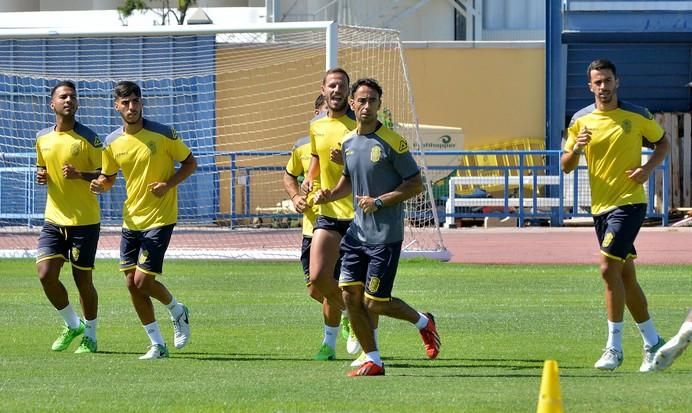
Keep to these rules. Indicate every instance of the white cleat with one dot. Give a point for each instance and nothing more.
(156, 351)
(181, 328)
(610, 360)
(649, 353)
(665, 355)
(352, 343)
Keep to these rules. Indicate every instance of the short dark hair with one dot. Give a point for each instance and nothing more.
(336, 70)
(62, 83)
(600, 64)
(369, 82)
(126, 88)
(319, 101)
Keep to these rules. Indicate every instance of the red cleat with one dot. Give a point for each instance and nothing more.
(368, 369)
(430, 337)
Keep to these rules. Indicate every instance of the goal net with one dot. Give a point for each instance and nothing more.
(239, 98)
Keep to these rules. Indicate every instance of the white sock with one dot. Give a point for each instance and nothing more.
(422, 321)
(90, 329)
(648, 332)
(71, 318)
(330, 334)
(174, 309)
(615, 335)
(154, 333)
(374, 356)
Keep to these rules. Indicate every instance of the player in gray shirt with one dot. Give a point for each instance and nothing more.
(381, 174)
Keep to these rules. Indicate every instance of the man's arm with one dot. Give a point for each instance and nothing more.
(102, 184)
(70, 172)
(642, 173)
(342, 189)
(313, 172)
(570, 160)
(293, 190)
(187, 167)
(407, 189)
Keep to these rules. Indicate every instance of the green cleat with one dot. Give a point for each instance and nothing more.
(326, 353)
(345, 327)
(88, 345)
(68, 334)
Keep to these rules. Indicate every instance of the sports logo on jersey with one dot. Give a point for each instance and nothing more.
(152, 147)
(375, 154)
(74, 149)
(75, 253)
(98, 143)
(607, 240)
(373, 284)
(143, 257)
(403, 145)
(627, 126)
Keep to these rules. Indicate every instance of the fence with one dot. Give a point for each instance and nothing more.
(528, 190)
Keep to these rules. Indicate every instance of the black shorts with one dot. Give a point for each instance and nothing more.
(76, 244)
(373, 266)
(332, 224)
(617, 229)
(305, 261)
(145, 250)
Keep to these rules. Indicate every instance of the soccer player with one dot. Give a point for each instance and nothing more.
(610, 134)
(326, 133)
(68, 158)
(146, 152)
(665, 355)
(380, 174)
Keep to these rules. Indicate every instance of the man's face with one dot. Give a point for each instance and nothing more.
(130, 108)
(64, 101)
(335, 91)
(365, 104)
(603, 85)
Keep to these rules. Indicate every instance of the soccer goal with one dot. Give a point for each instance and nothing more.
(239, 97)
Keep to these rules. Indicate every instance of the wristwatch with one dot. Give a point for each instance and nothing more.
(378, 203)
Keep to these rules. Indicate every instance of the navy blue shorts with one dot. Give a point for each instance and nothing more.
(617, 229)
(372, 266)
(75, 243)
(332, 224)
(145, 250)
(305, 261)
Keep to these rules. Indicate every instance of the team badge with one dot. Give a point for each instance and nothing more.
(373, 284)
(75, 253)
(627, 125)
(403, 146)
(74, 149)
(375, 154)
(152, 147)
(143, 256)
(97, 142)
(607, 240)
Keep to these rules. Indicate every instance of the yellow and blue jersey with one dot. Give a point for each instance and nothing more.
(69, 201)
(616, 146)
(326, 134)
(298, 166)
(145, 157)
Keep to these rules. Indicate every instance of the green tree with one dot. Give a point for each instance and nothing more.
(165, 12)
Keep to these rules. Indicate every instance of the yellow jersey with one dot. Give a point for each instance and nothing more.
(69, 201)
(298, 166)
(145, 157)
(616, 146)
(326, 134)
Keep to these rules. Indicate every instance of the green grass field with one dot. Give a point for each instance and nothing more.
(255, 332)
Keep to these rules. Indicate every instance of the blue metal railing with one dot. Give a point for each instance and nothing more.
(19, 202)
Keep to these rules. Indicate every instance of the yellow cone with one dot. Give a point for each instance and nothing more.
(550, 397)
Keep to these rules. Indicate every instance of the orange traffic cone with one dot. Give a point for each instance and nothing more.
(550, 397)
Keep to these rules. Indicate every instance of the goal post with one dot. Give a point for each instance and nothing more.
(240, 97)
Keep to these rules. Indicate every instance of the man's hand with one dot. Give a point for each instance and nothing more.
(322, 196)
(41, 176)
(299, 202)
(70, 172)
(158, 188)
(336, 156)
(366, 203)
(639, 175)
(582, 140)
(306, 186)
